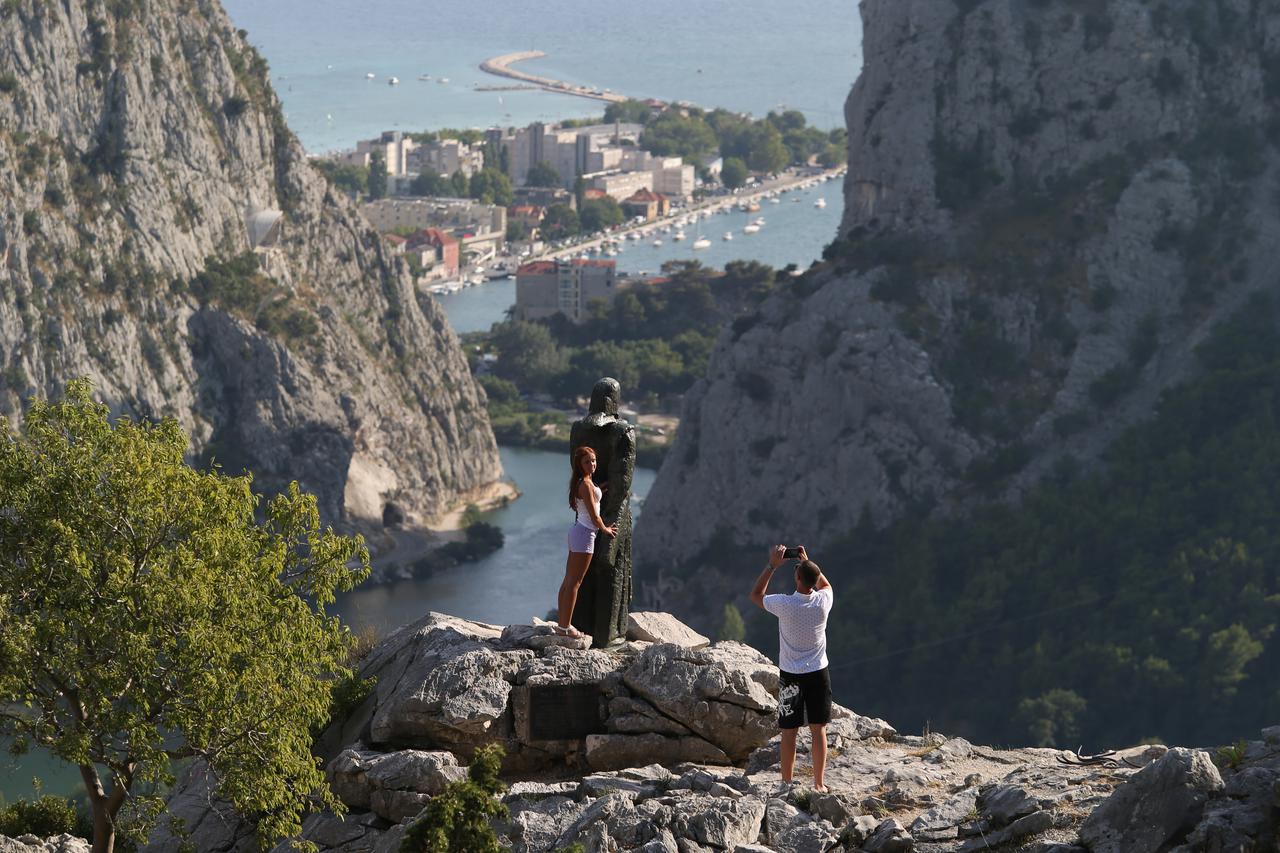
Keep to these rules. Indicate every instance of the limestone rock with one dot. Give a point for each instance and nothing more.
(612, 752)
(940, 822)
(663, 628)
(1163, 799)
(889, 837)
(708, 692)
(31, 844)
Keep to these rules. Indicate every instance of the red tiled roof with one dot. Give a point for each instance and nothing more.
(431, 237)
(395, 238)
(644, 196)
(588, 262)
(536, 268)
(593, 193)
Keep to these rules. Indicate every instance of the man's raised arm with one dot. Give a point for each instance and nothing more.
(762, 582)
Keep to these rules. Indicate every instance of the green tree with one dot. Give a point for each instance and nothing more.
(353, 180)
(674, 135)
(542, 174)
(629, 111)
(527, 354)
(377, 175)
(731, 624)
(491, 187)
(598, 214)
(733, 173)
(146, 615)
(560, 221)
(1052, 718)
(833, 155)
(458, 184)
(517, 231)
(457, 820)
(429, 183)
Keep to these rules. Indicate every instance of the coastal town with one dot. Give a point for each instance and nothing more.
(555, 206)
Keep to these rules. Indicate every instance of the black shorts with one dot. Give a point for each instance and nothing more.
(804, 696)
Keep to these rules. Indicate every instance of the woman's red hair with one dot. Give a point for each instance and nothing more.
(579, 456)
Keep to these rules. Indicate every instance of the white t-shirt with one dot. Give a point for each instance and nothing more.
(802, 629)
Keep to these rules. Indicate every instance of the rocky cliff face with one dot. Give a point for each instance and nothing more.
(667, 745)
(163, 234)
(1049, 204)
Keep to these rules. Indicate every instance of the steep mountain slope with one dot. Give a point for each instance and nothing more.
(1049, 205)
(145, 158)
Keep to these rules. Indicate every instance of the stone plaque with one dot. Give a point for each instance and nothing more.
(564, 711)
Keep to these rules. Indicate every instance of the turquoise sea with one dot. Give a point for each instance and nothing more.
(749, 55)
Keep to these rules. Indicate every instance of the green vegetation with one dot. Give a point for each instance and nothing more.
(672, 134)
(542, 174)
(429, 183)
(8, 83)
(599, 214)
(45, 816)
(655, 338)
(733, 173)
(457, 820)
(470, 135)
(490, 187)
(1136, 600)
(353, 180)
(731, 625)
(147, 615)
(238, 285)
(1231, 757)
(377, 175)
(629, 111)
(560, 221)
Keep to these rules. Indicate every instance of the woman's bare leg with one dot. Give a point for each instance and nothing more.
(575, 569)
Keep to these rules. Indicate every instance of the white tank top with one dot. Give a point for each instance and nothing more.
(584, 516)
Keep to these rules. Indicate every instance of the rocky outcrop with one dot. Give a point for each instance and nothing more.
(31, 844)
(656, 778)
(164, 235)
(1048, 206)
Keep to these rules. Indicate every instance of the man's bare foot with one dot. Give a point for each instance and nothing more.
(822, 789)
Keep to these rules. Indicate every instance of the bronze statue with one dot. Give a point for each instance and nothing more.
(604, 598)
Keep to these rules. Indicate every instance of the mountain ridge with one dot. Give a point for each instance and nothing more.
(166, 238)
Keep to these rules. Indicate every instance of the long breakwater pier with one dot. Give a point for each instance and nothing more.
(501, 66)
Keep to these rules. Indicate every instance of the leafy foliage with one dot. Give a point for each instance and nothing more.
(377, 175)
(491, 187)
(238, 285)
(597, 214)
(674, 135)
(731, 625)
(146, 615)
(733, 173)
(44, 817)
(542, 174)
(429, 183)
(560, 221)
(457, 819)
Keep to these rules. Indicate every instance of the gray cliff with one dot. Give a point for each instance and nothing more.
(146, 158)
(1048, 206)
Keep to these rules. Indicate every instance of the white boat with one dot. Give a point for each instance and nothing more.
(477, 279)
(634, 235)
(393, 81)
(424, 77)
(370, 76)
(775, 200)
(728, 235)
(822, 202)
(702, 243)
(796, 199)
(679, 235)
(750, 229)
(657, 243)
(437, 288)
(760, 221)
(443, 80)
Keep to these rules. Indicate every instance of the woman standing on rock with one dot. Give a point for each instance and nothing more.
(584, 500)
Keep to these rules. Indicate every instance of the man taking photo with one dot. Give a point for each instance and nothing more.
(804, 694)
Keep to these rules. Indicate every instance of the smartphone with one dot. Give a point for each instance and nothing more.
(792, 553)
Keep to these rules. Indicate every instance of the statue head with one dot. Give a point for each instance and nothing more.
(604, 397)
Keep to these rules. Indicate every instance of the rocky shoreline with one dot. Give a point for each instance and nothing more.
(667, 743)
